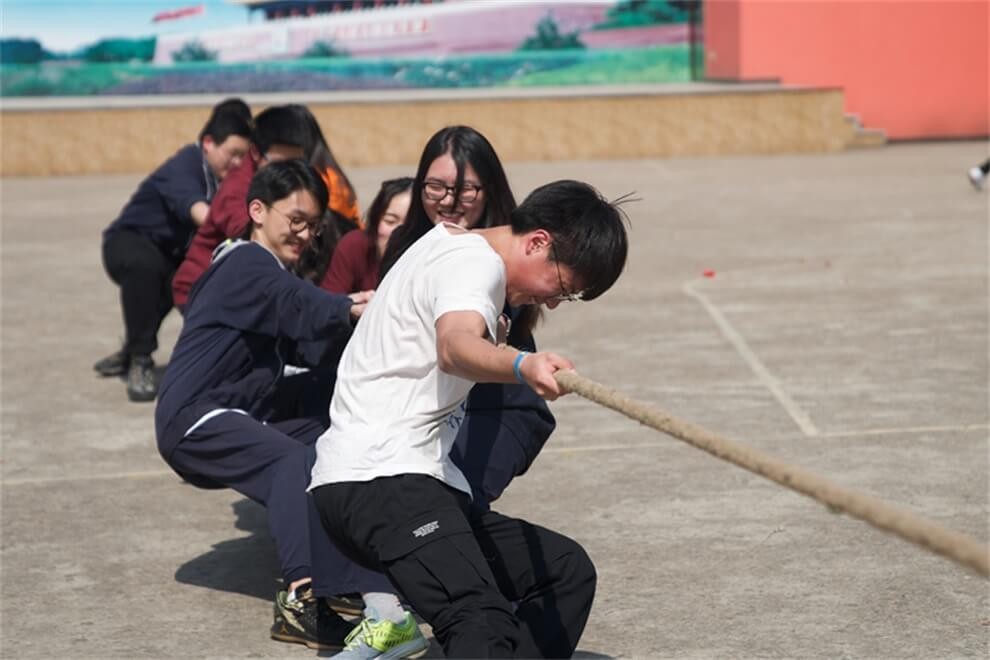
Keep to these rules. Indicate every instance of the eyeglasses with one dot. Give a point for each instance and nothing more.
(435, 190)
(564, 295)
(299, 224)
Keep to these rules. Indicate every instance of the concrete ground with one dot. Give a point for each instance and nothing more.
(844, 330)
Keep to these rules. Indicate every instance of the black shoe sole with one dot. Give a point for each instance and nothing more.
(284, 634)
(110, 373)
(345, 607)
(137, 397)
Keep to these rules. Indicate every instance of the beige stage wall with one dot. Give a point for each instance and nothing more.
(133, 135)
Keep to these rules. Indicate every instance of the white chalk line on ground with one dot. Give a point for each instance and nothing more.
(154, 474)
(770, 381)
(909, 429)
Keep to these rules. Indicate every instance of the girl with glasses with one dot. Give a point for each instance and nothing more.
(459, 180)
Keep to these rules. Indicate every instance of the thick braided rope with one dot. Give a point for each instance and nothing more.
(927, 534)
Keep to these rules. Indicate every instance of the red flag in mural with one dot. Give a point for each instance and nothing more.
(184, 12)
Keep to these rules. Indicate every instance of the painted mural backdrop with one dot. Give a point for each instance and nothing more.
(56, 48)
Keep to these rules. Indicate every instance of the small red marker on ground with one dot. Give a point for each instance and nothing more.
(708, 272)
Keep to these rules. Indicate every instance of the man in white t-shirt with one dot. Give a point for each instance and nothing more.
(383, 481)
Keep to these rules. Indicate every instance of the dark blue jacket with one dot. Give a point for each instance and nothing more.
(159, 208)
(504, 429)
(246, 318)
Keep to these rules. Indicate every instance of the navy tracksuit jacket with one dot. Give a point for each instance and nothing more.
(247, 317)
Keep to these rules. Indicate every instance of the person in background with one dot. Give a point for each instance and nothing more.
(278, 135)
(343, 200)
(978, 174)
(355, 262)
(144, 246)
(503, 426)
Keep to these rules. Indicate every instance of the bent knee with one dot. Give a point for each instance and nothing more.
(575, 567)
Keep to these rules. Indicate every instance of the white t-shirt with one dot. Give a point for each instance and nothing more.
(390, 407)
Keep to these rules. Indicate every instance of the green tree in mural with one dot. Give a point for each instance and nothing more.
(324, 49)
(22, 51)
(636, 13)
(121, 50)
(549, 37)
(194, 51)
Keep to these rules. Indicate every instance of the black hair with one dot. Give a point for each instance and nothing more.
(279, 180)
(467, 147)
(229, 117)
(373, 218)
(236, 105)
(319, 153)
(281, 124)
(315, 258)
(282, 178)
(588, 231)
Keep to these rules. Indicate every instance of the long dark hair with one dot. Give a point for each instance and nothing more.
(467, 147)
(321, 157)
(373, 218)
(281, 179)
(315, 259)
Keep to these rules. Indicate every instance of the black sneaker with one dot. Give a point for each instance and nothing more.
(113, 365)
(141, 383)
(349, 604)
(308, 620)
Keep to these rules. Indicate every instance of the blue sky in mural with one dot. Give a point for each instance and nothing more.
(64, 25)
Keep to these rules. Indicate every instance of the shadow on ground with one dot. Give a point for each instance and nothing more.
(244, 565)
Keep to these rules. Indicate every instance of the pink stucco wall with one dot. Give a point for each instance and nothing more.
(914, 68)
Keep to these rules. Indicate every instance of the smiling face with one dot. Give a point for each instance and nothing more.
(287, 226)
(395, 215)
(537, 279)
(440, 179)
(225, 156)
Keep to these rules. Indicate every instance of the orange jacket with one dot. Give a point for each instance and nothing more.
(342, 197)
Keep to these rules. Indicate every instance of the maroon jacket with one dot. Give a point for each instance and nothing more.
(228, 218)
(354, 266)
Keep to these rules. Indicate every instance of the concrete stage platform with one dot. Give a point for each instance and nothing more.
(845, 330)
(121, 135)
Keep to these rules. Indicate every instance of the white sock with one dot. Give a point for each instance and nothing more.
(385, 606)
(292, 592)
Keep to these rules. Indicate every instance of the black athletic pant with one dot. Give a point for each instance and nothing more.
(144, 275)
(461, 573)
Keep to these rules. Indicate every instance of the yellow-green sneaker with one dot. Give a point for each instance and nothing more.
(382, 639)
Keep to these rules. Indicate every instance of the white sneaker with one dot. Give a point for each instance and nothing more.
(977, 177)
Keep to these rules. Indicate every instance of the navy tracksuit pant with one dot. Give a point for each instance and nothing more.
(270, 464)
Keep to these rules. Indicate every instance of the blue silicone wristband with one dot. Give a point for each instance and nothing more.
(517, 364)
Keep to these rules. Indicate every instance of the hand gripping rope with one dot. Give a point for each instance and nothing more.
(927, 534)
